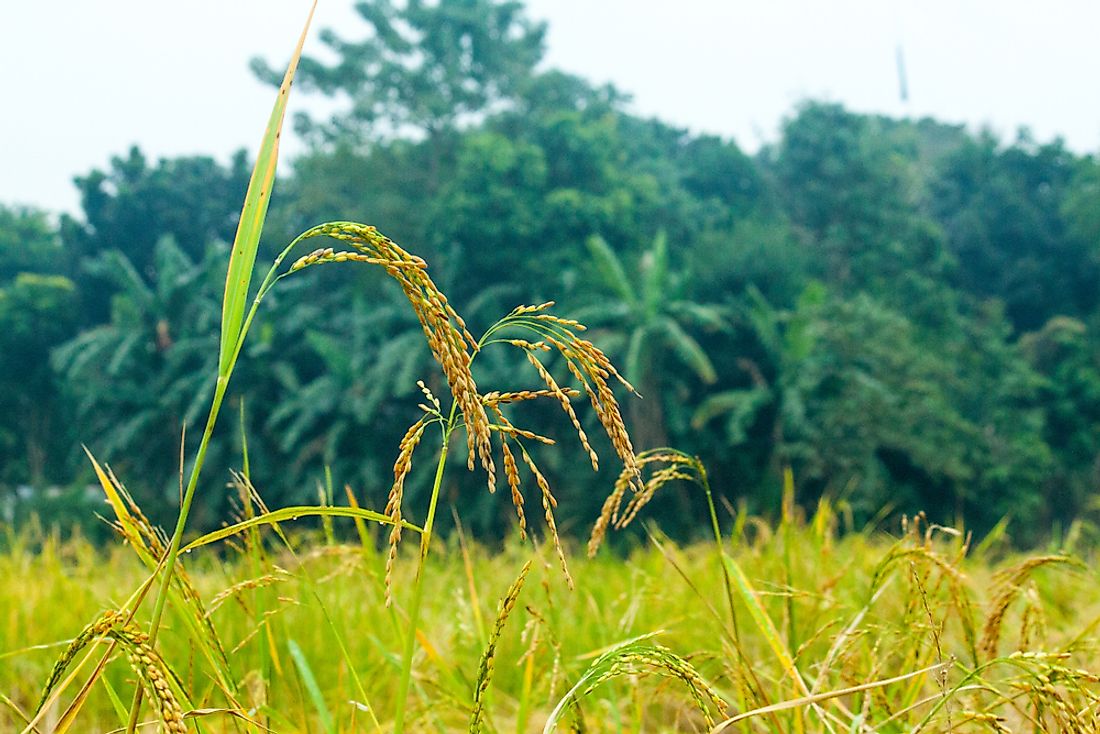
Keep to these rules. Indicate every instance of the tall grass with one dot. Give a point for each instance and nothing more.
(890, 634)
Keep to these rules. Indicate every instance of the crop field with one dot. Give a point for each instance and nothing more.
(921, 631)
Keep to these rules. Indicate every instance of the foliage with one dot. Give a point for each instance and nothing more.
(140, 378)
(1004, 209)
(37, 313)
(130, 207)
(649, 319)
(423, 66)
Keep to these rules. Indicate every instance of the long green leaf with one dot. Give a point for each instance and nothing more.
(121, 711)
(247, 240)
(765, 624)
(292, 513)
(611, 270)
(310, 682)
(690, 352)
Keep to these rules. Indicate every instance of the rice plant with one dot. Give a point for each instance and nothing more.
(453, 347)
(888, 634)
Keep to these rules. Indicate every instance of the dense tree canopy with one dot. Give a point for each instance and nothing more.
(902, 311)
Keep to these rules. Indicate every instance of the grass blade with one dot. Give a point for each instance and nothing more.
(247, 240)
(764, 623)
(291, 513)
(771, 635)
(121, 711)
(312, 688)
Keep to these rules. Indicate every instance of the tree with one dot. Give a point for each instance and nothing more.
(29, 244)
(492, 211)
(1002, 210)
(349, 386)
(130, 207)
(717, 170)
(851, 183)
(37, 312)
(136, 380)
(423, 67)
(1066, 353)
(865, 404)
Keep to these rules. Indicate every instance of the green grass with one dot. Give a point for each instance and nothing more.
(866, 609)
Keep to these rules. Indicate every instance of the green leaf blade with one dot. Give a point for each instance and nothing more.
(247, 240)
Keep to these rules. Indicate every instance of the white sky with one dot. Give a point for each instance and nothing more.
(84, 80)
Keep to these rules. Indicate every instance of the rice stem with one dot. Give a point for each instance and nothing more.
(418, 586)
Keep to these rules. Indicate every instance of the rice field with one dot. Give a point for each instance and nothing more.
(918, 631)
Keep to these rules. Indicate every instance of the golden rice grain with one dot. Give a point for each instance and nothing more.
(511, 472)
(401, 469)
(548, 505)
(488, 658)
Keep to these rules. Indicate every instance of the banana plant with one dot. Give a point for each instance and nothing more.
(653, 319)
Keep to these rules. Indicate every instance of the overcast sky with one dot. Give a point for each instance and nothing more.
(85, 80)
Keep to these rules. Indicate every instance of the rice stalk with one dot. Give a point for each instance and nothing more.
(548, 505)
(638, 656)
(678, 466)
(401, 469)
(150, 544)
(532, 636)
(448, 339)
(488, 658)
(144, 661)
(511, 473)
(241, 587)
(1007, 587)
(589, 366)
(452, 346)
(234, 326)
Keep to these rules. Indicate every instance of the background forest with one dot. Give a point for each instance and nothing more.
(903, 311)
